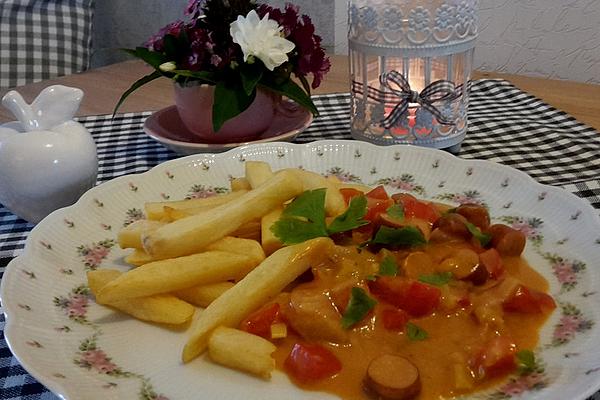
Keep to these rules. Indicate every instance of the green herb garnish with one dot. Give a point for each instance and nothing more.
(483, 238)
(526, 361)
(304, 218)
(395, 211)
(406, 236)
(352, 218)
(358, 307)
(416, 333)
(437, 279)
(388, 267)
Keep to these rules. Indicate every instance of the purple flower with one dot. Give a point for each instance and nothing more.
(194, 8)
(156, 41)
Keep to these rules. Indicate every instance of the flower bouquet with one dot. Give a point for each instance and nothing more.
(238, 47)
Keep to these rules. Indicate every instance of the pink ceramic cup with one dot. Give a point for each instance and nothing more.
(194, 104)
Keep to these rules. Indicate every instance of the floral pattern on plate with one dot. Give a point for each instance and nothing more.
(63, 333)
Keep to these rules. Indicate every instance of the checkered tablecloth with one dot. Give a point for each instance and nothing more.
(506, 125)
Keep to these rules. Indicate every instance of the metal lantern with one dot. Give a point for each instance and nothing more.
(410, 65)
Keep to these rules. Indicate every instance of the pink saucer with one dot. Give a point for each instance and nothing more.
(166, 127)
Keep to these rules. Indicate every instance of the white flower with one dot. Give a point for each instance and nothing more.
(261, 38)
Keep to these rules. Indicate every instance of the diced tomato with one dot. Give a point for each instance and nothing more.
(416, 298)
(259, 322)
(378, 193)
(394, 319)
(349, 193)
(376, 207)
(525, 300)
(496, 358)
(492, 261)
(310, 362)
(414, 208)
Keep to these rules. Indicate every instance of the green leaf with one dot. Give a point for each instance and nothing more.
(294, 92)
(351, 218)
(388, 267)
(204, 76)
(152, 58)
(309, 204)
(228, 103)
(136, 85)
(395, 211)
(437, 279)
(358, 307)
(483, 238)
(250, 77)
(416, 333)
(526, 361)
(406, 236)
(302, 219)
(304, 82)
(293, 231)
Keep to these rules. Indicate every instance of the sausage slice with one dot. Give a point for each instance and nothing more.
(392, 377)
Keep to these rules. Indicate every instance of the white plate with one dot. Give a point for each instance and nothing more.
(81, 350)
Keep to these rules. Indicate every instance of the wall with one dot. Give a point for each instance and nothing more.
(557, 39)
(548, 38)
(126, 23)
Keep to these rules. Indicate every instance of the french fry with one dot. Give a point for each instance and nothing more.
(269, 241)
(358, 186)
(131, 235)
(239, 184)
(203, 295)
(333, 179)
(257, 173)
(250, 230)
(255, 289)
(334, 201)
(192, 234)
(241, 350)
(155, 210)
(167, 276)
(138, 257)
(246, 247)
(236, 245)
(163, 308)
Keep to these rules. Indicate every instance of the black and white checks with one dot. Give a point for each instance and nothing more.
(506, 126)
(41, 39)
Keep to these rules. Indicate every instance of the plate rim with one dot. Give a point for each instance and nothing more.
(11, 269)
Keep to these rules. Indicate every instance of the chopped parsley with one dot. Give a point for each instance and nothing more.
(358, 307)
(395, 211)
(437, 279)
(304, 218)
(483, 238)
(526, 361)
(352, 218)
(416, 333)
(388, 267)
(406, 236)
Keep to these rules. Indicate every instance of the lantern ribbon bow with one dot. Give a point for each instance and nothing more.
(397, 85)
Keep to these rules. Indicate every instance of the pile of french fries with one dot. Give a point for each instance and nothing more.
(219, 254)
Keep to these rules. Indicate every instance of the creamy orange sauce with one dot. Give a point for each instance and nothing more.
(454, 335)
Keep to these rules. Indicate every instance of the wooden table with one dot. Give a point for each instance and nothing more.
(104, 86)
